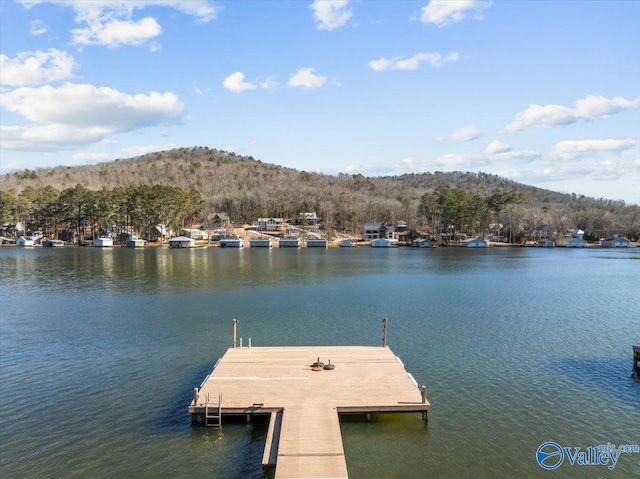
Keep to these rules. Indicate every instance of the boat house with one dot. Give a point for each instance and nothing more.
(317, 243)
(289, 243)
(546, 243)
(182, 242)
(231, 243)
(260, 243)
(572, 243)
(423, 243)
(135, 243)
(53, 243)
(25, 241)
(616, 242)
(475, 243)
(381, 243)
(103, 242)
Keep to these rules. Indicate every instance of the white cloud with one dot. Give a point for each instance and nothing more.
(447, 12)
(47, 137)
(306, 78)
(397, 63)
(268, 83)
(34, 68)
(331, 14)
(572, 149)
(497, 147)
(111, 23)
(115, 33)
(466, 133)
(588, 108)
(446, 162)
(80, 114)
(235, 83)
(37, 27)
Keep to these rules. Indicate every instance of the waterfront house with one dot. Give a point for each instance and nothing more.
(195, 233)
(543, 231)
(25, 241)
(577, 233)
(289, 243)
(310, 217)
(260, 243)
(317, 243)
(103, 242)
(181, 242)
(475, 243)
(135, 243)
(270, 224)
(571, 243)
(381, 243)
(231, 242)
(616, 242)
(372, 231)
(217, 220)
(546, 243)
(7, 241)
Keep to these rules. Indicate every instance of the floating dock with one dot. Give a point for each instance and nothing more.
(304, 402)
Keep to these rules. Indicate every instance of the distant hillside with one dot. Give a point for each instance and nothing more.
(245, 188)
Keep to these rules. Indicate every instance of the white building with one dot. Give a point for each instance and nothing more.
(372, 231)
(103, 242)
(182, 242)
(475, 243)
(270, 224)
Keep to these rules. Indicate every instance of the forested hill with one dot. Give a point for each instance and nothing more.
(246, 188)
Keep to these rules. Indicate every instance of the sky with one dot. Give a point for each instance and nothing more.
(546, 93)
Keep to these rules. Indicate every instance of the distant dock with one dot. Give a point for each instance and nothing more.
(304, 402)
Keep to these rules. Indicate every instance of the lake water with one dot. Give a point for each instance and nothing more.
(100, 350)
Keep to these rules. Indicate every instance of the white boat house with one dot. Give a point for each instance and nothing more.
(181, 242)
(475, 243)
(103, 242)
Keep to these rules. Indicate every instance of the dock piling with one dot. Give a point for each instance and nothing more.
(425, 414)
(385, 327)
(234, 327)
(636, 359)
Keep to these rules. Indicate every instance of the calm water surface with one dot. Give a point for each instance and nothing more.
(100, 350)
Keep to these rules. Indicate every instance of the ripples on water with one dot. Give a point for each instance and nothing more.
(99, 352)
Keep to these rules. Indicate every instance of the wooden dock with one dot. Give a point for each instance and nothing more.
(303, 439)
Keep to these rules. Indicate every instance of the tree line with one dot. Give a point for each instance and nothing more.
(78, 213)
(138, 193)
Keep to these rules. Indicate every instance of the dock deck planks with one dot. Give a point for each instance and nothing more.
(263, 380)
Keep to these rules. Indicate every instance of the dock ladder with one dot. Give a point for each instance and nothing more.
(213, 413)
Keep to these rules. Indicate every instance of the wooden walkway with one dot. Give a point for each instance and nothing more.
(304, 439)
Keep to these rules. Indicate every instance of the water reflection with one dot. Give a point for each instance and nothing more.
(614, 376)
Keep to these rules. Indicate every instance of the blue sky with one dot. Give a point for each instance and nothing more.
(546, 93)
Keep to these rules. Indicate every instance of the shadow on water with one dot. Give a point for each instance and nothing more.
(173, 415)
(614, 376)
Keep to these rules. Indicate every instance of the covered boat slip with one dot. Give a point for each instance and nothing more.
(304, 437)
